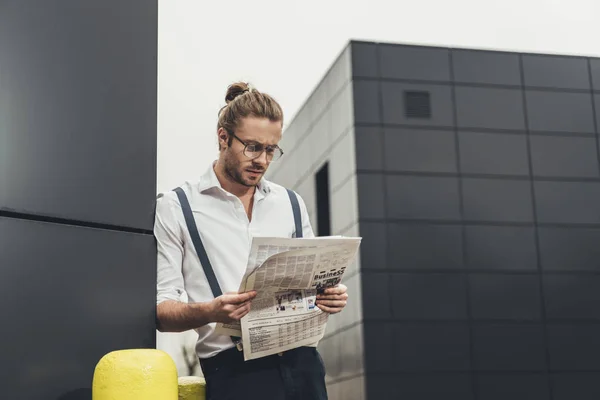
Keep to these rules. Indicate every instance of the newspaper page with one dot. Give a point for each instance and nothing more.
(261, 249)
(284, 314)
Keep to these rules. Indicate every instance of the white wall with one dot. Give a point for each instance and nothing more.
(284, 48)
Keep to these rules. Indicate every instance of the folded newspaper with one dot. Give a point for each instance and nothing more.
(287, 274)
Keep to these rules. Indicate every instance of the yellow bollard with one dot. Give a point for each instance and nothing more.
(136, 374)
(192, 388)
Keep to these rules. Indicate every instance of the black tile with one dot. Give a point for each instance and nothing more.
(371, 195)
(86, 291)
(373, 247)
(572, 296)
(394, 106)
(569, 249)
(568, 202)
(579, 385)
(422, 197)
(501, 248)
(497, 200)
(560, 112)
(509, 348)
(379, 344)
(427, 246)
(431, 347)
(513, 387)
(420, 387)
(595, 68)
(366, 102)
(489, 108)
(486, 67)
(364, 59)
(597, 106)
(556, 71)
(376, 295)
(574, 347)
(369, 148)
(78, 111)
(505, 296)
(493, 153)
(564, 156)
(407, 62)
(420, 150)
(429, 296)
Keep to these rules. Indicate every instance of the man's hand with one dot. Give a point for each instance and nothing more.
(333, 300)
(231, 307)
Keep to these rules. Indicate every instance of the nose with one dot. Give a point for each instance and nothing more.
(262, 159)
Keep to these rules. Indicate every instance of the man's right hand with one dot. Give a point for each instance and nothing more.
(231, 307)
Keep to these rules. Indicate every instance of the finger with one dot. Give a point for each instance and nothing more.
(240, 312)
(329, 310)
(332, 303)
(332, 296)
(239, 298)
(339, 289)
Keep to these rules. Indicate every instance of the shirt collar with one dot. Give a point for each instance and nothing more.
(209, 181)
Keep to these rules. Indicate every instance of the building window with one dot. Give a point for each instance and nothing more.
(323, 216)
(417, 104)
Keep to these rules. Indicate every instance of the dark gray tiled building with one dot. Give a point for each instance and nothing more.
(473, 177)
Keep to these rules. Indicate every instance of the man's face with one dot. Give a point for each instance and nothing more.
(251, 130)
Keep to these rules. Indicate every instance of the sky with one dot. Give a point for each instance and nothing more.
(284, 49)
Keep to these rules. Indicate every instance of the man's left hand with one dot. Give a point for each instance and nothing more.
(333, 300)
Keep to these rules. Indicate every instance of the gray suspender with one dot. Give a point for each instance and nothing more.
(201, 251)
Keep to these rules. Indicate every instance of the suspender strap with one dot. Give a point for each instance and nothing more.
(200, 250)
(296, 210)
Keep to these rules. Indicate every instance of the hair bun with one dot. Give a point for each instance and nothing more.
(236, 89)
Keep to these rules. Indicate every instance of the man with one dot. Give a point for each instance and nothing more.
(230, 204)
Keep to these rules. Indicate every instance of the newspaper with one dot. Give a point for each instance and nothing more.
(287, 274)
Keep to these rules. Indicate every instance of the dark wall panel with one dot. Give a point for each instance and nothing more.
(486, 67)
(78, 109)
(556, 72)
(71, 295)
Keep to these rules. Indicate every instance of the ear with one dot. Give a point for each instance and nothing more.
(223, 137)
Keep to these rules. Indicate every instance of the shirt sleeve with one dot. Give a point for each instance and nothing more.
(307, 230)
(169, 246)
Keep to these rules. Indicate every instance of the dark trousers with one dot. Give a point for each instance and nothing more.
(298, 374)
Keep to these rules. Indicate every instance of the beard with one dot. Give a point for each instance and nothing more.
(235, 171)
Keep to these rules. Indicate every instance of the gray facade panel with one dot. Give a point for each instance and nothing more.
(420, 150)
(105, 300)
(581, 386)
(369, 148)
(423, 386)
(414, 197)
(424, 247)
(574, 347)
(565, 249)
(498, 347)
(414, 63)
(429, 296)
(493, 153)
(79, 89)
(556, 72)
(501, 248)
(377, 300)
(595, 71)
(378, 336)
(572, 296)
(515, 297)
(485, 67)
(559, 112)
(366, 102)
(568, 202)
(497, 200)
(564, 157)
(490, 108)
(514, 386)
(371, 203)
(374, 245)
(364, 60)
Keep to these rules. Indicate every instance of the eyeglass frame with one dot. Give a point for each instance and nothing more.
(259, 144)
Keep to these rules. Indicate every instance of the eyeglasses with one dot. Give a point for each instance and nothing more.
(253, 151)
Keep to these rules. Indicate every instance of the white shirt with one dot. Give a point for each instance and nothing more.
(227, 236)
